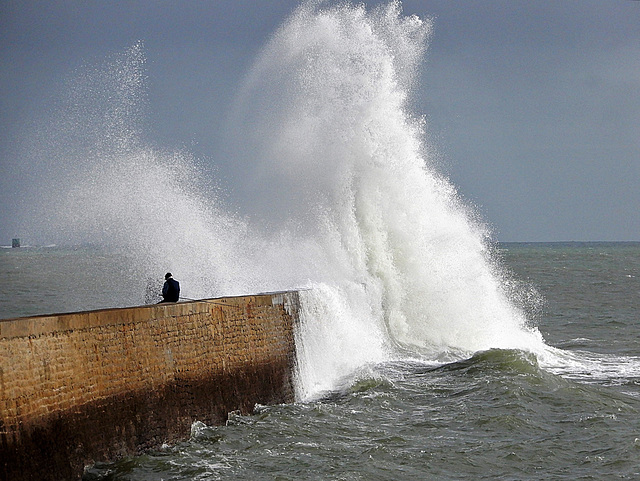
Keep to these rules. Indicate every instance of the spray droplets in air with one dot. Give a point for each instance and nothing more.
(326, 127)
(339, 191)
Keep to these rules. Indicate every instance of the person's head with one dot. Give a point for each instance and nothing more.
(167, 275)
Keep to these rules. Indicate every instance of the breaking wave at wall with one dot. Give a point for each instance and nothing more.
(325, 112)
(341, 197)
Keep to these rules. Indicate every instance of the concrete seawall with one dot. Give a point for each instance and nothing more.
(85, 387)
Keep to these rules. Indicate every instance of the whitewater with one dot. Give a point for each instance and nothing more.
(342, 199)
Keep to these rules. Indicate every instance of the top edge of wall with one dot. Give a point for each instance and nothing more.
(33, 326)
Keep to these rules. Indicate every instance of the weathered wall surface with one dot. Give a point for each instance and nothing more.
(84, 387)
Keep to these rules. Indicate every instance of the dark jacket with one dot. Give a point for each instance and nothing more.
(171, 290)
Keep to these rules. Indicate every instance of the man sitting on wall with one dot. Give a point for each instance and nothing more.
(170, 289)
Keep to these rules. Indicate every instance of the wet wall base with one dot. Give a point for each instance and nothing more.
(80, 388)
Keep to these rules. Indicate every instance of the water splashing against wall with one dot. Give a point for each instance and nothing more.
(341, 193)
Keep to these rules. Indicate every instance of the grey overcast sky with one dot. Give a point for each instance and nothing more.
(534, 106)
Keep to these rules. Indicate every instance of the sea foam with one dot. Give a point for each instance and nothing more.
(340, 195)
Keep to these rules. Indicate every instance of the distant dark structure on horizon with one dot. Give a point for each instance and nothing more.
(15, 242)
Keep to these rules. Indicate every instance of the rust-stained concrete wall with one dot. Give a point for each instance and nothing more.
(84, 387)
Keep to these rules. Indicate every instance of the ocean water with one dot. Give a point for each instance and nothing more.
(499, 414)
(425, 350)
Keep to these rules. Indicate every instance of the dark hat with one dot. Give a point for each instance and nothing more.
(167, 275)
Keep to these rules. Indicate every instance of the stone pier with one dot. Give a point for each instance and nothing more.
(94, 386)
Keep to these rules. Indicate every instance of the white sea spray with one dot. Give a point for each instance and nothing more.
(342, 197)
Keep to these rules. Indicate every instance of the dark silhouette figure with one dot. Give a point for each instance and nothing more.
(170, 289)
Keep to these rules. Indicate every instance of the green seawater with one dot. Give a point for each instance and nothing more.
(498, 415)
